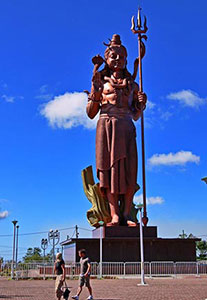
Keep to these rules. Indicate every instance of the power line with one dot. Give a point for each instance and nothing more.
(42, 232)
(3, 246)
(85, 229)
(37, 232)
(73, 234)
(5, 253)
(66, 228)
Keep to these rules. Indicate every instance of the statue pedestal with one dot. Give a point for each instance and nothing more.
(122, 244)
(125, 231)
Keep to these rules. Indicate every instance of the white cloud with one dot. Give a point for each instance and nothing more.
(4, 214)
(67, 111)
(155, 200)
(179, 158)
(149, 200)
(44, 97)
(150, 105)
(8, 98)
(166, 115)
(11, 99)
(44, 94)
(43, 89)
(188, 98)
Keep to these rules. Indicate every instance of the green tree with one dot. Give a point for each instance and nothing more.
(35, 254)
(201, 248)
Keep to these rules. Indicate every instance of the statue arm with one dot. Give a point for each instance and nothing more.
(95, 97)
(139, 102)
(92, 107)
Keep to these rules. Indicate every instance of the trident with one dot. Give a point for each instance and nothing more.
(141, 51)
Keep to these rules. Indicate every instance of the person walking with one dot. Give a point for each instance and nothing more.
(85, 268)
(59, 270)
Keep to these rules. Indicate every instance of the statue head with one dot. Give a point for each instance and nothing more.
(116, 54)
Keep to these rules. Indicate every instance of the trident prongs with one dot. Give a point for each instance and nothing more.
(139, 29)
(133, 25)
(139, 20)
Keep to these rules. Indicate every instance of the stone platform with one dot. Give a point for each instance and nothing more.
(123, 245)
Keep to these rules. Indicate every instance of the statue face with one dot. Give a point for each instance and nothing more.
(116, 59)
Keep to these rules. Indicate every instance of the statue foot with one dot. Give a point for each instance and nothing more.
(112, 224)
(129, 222)
(114, 221)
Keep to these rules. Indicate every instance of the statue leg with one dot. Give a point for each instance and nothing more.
(128, 197)
(114, 207)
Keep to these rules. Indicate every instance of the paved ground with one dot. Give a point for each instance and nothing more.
(187, 288)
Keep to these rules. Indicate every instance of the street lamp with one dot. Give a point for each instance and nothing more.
(101, 223)
(13, 258)
(140, 206)
(44, 245)
(54, 238)
(17, 241)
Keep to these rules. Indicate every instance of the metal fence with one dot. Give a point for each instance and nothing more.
(109, 269)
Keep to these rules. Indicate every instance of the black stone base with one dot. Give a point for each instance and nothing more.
(125, 231)
(128, 249)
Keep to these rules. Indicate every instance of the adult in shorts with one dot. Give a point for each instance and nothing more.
(84, 279)
(59, 270)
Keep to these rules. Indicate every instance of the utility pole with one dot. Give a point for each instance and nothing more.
(76, 231)
(183, 235)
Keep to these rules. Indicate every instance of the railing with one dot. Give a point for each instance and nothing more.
(110, 269)
(159, 268)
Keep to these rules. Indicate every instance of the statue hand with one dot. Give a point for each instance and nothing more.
(97, 60)
(142, 99)
(97, 85)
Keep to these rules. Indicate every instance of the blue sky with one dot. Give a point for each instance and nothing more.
(45, 137)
